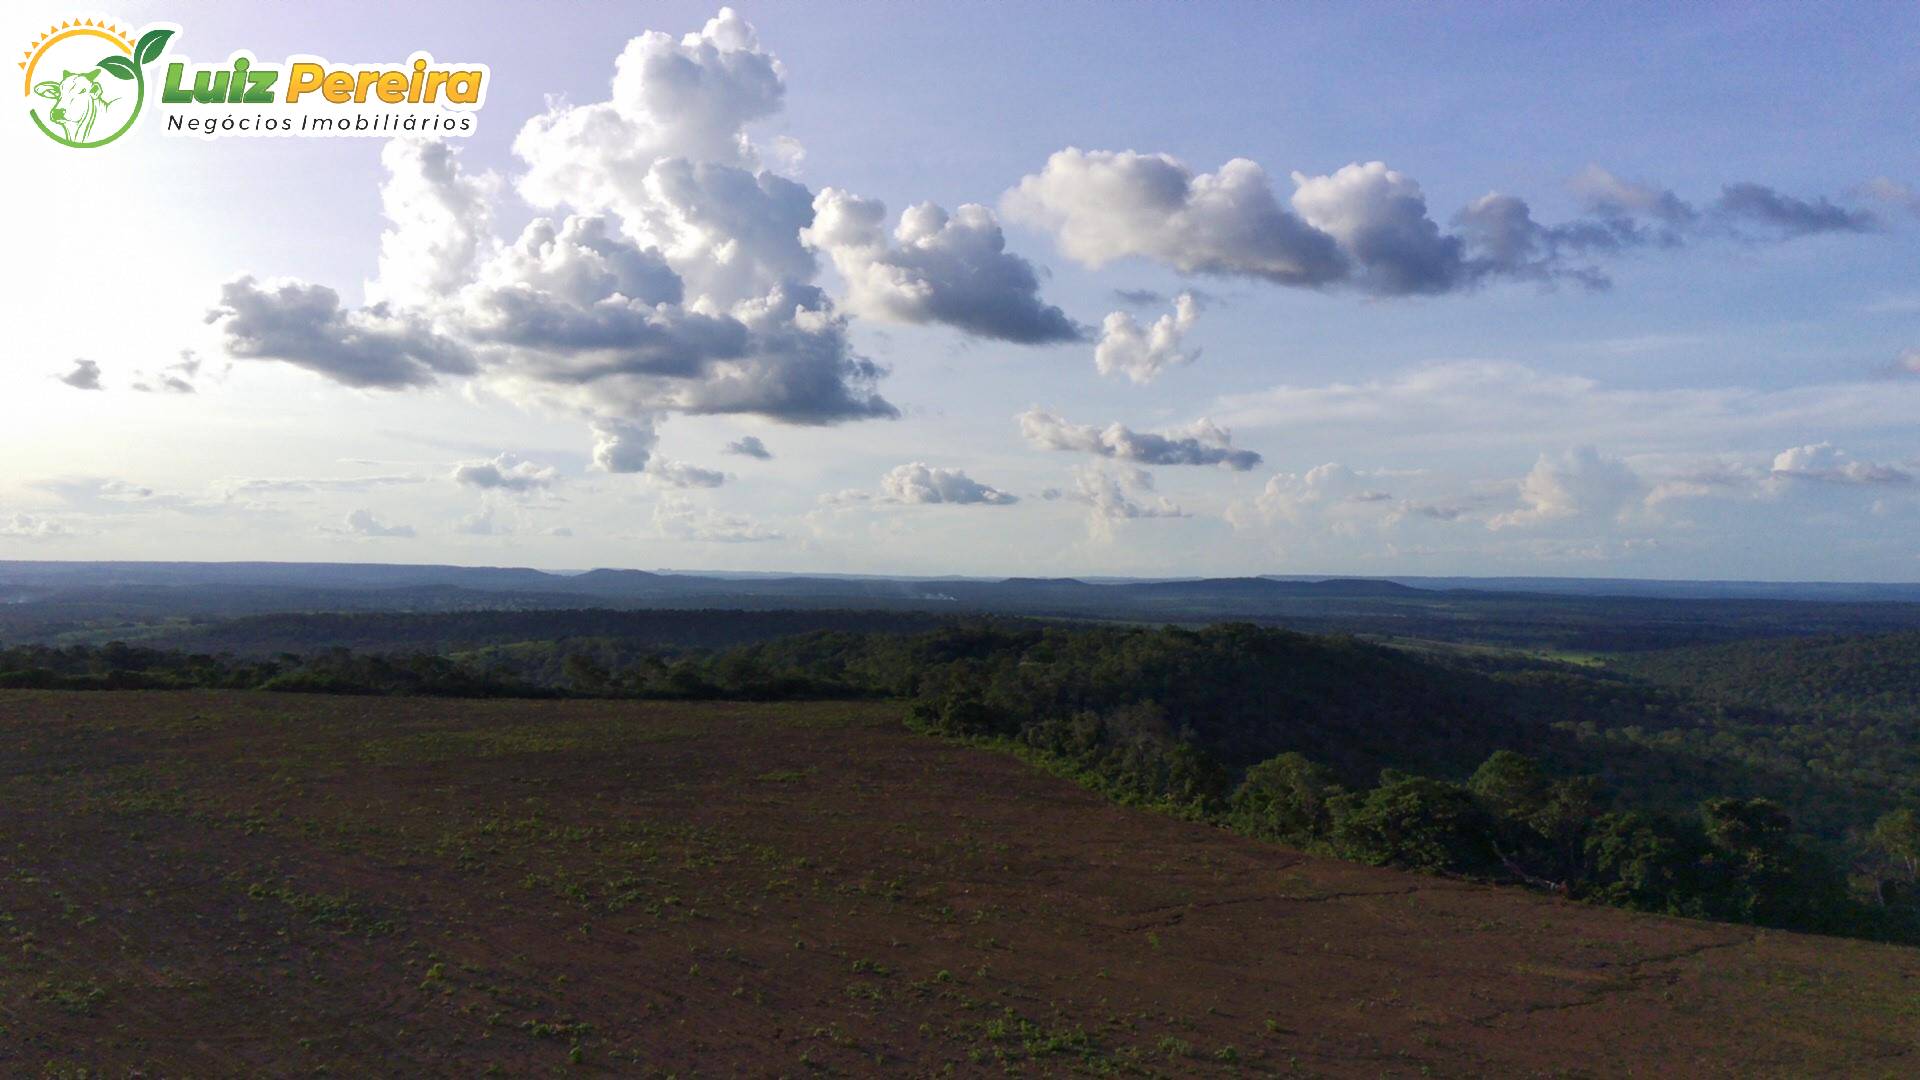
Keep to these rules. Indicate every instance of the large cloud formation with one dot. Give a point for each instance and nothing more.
(1367, 226)
(670, 276)
(1200, 443)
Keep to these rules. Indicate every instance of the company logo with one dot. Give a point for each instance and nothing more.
(85, 80)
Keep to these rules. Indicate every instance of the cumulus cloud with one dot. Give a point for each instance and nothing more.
(623, 447)
(363, 523)
(949, 269)
(916, 483)
(671, 278)
(1579, 483)
(678, 518)
(29, 527)
(304, 325)
(749, 446)
(1379, 218)
(1117, 493)
(689, 98)
(84, 376)
(1824, 463)
(668, 153)
(1104, 205)
(1141, 354)
(1200, 443)
(505, 472)
(1293, 496)
(441, 222)
(1367, 226)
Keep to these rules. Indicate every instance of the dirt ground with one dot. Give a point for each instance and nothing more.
(218, 884)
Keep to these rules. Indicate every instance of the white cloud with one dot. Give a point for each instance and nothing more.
(1824, 463)
(29, 527)
(949, 269)
(1126, 348)
(506, 472)
(363, 523)
(304, 325)
(1201, 443)
(441, 222)
(1293, 496)
(1577, 484)
(1115, 493)
(1379, 217)
(1103, 206)
(1367, 226)
(667, 152)
(677, 284)
(917, 482)
(623, 447)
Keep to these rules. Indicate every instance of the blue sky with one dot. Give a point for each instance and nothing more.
(1738, 400)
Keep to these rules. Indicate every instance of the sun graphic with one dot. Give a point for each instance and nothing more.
(100, 28)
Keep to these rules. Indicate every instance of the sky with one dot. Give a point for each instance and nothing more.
(1145, 289)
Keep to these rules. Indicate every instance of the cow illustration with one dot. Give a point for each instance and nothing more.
(78, 103)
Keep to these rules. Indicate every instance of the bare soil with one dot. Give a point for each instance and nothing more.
(215, 884)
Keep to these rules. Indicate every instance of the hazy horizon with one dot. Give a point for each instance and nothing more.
(1500, 291)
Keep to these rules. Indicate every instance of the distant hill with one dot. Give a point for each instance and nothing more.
(54, 601)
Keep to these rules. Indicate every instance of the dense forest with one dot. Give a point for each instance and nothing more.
(1851, 678)
(1632, 786)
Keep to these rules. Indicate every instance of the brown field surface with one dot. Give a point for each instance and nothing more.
(211, 884)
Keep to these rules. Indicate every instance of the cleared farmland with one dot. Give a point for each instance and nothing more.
(218, 883)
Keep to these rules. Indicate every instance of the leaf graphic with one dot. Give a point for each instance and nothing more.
(151, 43)
(120, 66)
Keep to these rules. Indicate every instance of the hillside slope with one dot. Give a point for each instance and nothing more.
(217, 883)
